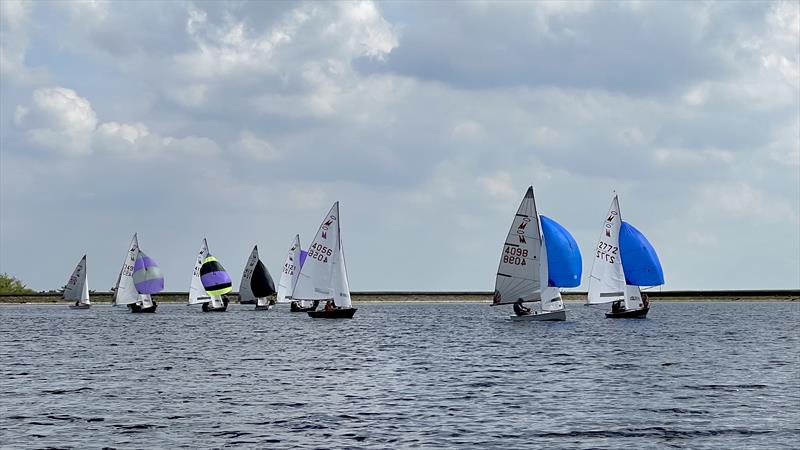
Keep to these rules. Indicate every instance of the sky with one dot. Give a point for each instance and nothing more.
(243, 122)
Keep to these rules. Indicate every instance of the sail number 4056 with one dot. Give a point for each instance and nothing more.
(319, 252)
(515, 255)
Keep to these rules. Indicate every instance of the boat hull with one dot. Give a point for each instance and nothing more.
(263, 307)
(247, 302)
(294, 307)
(79, 306)
(208, 308)
(137, 308)
(343, 313)
(543, 316)
(629, 314)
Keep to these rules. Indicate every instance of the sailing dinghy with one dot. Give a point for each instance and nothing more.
(210, 282)
(624, 261)
(139, 278)
(256, 283)
(539, 256)
(291, 270)
(77, 287)
(324, 273)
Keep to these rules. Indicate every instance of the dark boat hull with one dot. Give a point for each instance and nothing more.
(263, 308)
(630, 314)
(136, 308)
(344, 313)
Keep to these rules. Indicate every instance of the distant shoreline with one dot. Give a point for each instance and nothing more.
(783, 295)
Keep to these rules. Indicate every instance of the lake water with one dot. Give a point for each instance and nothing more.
(693, 375)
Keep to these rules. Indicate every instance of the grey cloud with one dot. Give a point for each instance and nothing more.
(661, 47)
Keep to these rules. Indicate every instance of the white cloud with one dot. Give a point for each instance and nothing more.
(743, 201)
(252, 147)
(468, 130)
(499, 185)
(60, 120)
(683, 156)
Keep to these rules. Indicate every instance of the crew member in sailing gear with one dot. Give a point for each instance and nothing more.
(617, 307)
(645, 301)
(329, 305)
(521, 310)
(225, 300)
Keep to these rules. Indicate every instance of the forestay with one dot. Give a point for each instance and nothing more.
(518, 276)
(607, 281)
(77, 287)
(291, 270)
(314, 281)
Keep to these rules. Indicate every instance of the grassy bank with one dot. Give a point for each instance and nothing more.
(449, 297)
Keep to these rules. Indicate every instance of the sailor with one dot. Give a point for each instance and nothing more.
(617, 307)
(329, 305)
(645, 301)
(521, 310)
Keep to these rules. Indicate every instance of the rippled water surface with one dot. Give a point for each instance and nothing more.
(695, 375)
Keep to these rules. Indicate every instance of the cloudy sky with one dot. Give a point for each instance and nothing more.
(243, 122)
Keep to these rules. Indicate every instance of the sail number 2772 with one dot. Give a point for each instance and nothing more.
(319, 252)
(607, 252)
(515, 255)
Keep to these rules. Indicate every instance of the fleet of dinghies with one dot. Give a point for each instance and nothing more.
(539, 257)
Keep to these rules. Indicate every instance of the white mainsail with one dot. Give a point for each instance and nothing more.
(197, 293)
(245, 291)
(607, 280)
(291, 270)
(77, 287)
(341, 287)
(125, 292)
(519, 273)
(314, 281)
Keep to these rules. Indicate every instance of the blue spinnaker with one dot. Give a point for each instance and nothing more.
(639, 259)
(564, 263)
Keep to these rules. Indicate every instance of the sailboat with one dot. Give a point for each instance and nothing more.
(539, 256)
(256, 283)
(624, 261)
(139, 278)
(324, 273)
(295, 258)
(210, 282)
(77, 287)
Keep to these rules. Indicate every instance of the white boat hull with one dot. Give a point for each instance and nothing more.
(543, 316)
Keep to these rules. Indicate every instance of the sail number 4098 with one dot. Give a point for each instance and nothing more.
(319, 252)
(515, 255)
